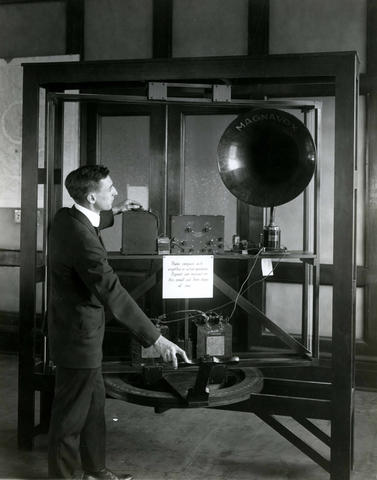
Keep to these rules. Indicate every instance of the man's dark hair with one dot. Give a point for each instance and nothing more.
(84, 180)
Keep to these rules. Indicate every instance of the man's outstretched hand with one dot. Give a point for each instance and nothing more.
(126, 206)
(169, 350)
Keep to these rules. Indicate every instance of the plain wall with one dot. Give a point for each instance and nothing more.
(34, 29)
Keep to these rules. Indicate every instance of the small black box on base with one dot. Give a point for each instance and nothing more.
(139, 233)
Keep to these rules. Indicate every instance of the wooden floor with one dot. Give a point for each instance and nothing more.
(187, 444)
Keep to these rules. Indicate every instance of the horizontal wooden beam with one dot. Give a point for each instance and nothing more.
(288, 67)
(290, 272)
(288, 406)
(261, 403)
(285, 273)
(297, 388)
(9, 2)
(11, 258)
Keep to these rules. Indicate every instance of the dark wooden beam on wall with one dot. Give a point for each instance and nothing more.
(75, 14)
(371, 37)
(258, 30)
(162, 28)
(370, 327)
(5, 2)
(89, 133)
(74, 22)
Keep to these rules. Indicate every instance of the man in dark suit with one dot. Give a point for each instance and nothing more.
(82, 283)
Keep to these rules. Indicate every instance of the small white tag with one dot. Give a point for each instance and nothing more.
(267, 268)
(187, 276)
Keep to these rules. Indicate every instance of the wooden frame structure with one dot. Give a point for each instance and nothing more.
(339, 71)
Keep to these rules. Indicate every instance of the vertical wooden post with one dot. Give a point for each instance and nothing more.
(28, 258)
(316, 239)
(250, 218)
(158, 164)
(344, 272)
(174, 154)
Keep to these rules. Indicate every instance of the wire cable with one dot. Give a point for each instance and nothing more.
(199, 313)
(245, 281)
(177, 245)
(263, 278)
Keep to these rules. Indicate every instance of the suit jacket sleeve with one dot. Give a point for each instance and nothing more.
(93, 268)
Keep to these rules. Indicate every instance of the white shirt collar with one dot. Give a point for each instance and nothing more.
(93, 217)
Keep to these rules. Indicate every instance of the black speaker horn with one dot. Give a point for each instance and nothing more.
(266, 157)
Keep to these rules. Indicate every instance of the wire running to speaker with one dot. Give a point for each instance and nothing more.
(194, 313)
(245, 281)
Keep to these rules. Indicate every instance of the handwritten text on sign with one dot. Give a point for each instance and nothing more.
(187, 276)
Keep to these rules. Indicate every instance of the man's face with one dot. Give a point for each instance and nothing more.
(105, 194)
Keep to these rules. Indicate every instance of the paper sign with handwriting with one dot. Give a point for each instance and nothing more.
(187, 276)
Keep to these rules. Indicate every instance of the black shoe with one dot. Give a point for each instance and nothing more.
(105, 474)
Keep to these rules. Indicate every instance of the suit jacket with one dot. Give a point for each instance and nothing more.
(82, 283)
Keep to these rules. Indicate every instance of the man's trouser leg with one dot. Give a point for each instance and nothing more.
(77, 423)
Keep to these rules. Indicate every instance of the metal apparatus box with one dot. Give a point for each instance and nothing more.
(139, 232)
(214, 337)
(195, 234)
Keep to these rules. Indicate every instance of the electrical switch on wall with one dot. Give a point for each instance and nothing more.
(17, 216)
